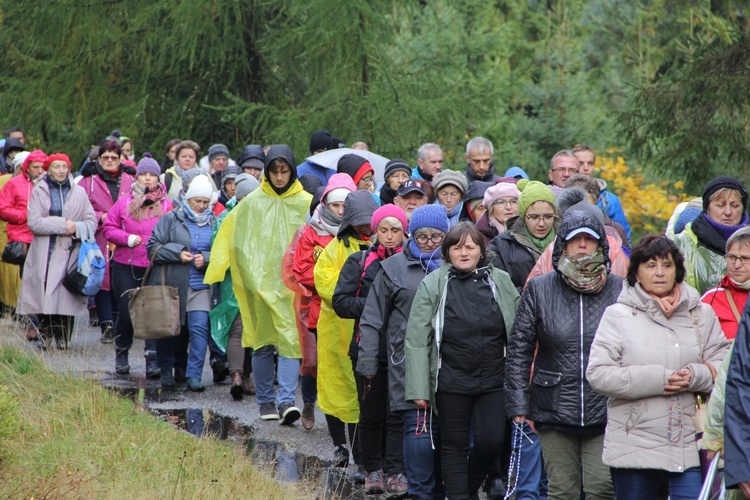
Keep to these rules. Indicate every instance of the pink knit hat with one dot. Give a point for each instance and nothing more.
(500, 190)
(389, 211)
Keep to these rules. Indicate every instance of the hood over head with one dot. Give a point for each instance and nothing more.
(252, 156)
(284, 152)
(358, 209)
(354, 165)
(36, 155)
(573, 220)
(337, 181)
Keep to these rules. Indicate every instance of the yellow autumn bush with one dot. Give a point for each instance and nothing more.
(647, 206)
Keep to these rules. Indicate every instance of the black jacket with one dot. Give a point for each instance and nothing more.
(472, 348)
(563, 322)
(737, 409)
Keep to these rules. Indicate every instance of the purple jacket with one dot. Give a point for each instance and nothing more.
(119, 226)
(101, 199)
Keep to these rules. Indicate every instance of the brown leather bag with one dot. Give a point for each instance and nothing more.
(154, 309)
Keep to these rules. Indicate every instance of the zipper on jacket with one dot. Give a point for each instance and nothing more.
(580, 330)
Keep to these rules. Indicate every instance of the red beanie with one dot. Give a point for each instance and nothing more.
(56, 157)
(389, 211)
(363, 170)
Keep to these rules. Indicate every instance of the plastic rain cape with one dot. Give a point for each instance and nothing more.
(262, 226)
(337, 391)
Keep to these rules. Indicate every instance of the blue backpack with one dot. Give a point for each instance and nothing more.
(88, 276)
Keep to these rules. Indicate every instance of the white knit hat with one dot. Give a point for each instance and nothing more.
(200, 187)
(337, 195)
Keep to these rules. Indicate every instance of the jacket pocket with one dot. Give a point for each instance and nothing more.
(634, 415)
(546, 390)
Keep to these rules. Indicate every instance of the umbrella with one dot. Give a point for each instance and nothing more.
(329, 159)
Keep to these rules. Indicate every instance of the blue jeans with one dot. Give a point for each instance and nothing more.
(198, 326)
(530, 471)
(288, 375)
(643, 484)
(421, 461)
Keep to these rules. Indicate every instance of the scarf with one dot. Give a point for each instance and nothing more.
(200, 219)
(744, 285)
(727, 231)
(496, 224)
(324, 221)
(379, 252)
(668, 303)
(146, 202)
(543, 243)
(430, 261)
(586, 274)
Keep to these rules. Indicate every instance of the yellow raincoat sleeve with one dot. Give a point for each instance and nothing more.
(219, 264)
(337, 391)
(264, 225)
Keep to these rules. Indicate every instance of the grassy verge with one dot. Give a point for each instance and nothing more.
(72, 438)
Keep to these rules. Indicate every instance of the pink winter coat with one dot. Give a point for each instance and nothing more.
(14, 201)
(42, 291)
(98, 193)
(120, 225)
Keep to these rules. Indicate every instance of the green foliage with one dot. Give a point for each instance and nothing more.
(10, 425)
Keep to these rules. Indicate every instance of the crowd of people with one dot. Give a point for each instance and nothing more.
(459, 330)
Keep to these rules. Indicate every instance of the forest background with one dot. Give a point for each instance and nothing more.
(659, 88)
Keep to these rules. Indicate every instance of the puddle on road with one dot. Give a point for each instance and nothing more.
(139, 389)
(287, 465)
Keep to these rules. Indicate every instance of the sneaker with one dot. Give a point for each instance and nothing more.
(341, 456)
(152, 365)
(167, 380)
(268, 412)
(308, 416)
(288, 413)
(194, 384)
(122, 367)
(374, 483)
(396, 486)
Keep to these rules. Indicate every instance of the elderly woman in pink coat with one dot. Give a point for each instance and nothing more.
(104, 185)
(55, 206)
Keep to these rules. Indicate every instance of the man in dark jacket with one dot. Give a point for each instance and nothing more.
(479, 161)
(737, 412)
(560, 313)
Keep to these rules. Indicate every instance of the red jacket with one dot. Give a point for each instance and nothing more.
(717, 299)
(306, 255)
(14, 201)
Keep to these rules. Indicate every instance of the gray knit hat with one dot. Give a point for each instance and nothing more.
(217, 150)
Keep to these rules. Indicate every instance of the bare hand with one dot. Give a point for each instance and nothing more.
(745, 487)
(678, 382)
(137, 240)
(104, 217)
(711, 454)
(70, 227)
(199, 261)
(519, 419)
(186, 257)
(421, 403)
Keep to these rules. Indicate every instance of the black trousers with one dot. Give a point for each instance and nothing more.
(465, 469)
(55, 326)
(381, 431)
(123, 278)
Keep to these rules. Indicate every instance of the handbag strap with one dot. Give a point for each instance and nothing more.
(732, 304)
(151, 264)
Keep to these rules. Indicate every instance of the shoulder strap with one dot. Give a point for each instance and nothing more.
(151, 264)
(168, 180)
(732, 304)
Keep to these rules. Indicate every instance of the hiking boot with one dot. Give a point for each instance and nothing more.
(358, 474)
(152, 365)
(268, 411)
(374, 483)
(248, 386)
(495, 488)
(341, 456)
(194, 384)
(108, 332)
(288, 413)
(121, 362)
(179, 374)
(396, 486)
(236, 390)
(308, 416)
(167, 380)
(220, 367)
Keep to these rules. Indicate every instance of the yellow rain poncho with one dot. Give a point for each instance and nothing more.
(10, 279)
(337, 391)
(263, 225)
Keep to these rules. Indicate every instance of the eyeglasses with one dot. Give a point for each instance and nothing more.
(367, 180)
(547, 218)
(422, 239)
(109, 158)
(511, 202)
(560, 170)
(731, 259)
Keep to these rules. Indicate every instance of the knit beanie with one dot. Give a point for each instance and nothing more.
(389, 210)
(337, 195)
(450, 178)
(20, 158)
(500, 190)
(432, 216)
(531, 192)
(394, 166)
(56, 157)
(231, 172)
(245, 184)
(721, 183)
(321, 140)
(354, 165)
(148, 165)
(217, 150)
(200, 188)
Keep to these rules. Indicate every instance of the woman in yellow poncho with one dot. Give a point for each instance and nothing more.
(265, 222)
(337, 391)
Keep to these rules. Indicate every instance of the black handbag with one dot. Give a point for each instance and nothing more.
(15, 253)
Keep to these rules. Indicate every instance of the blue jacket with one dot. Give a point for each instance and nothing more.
(322, 173)
(610, 203)
(737, 409)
